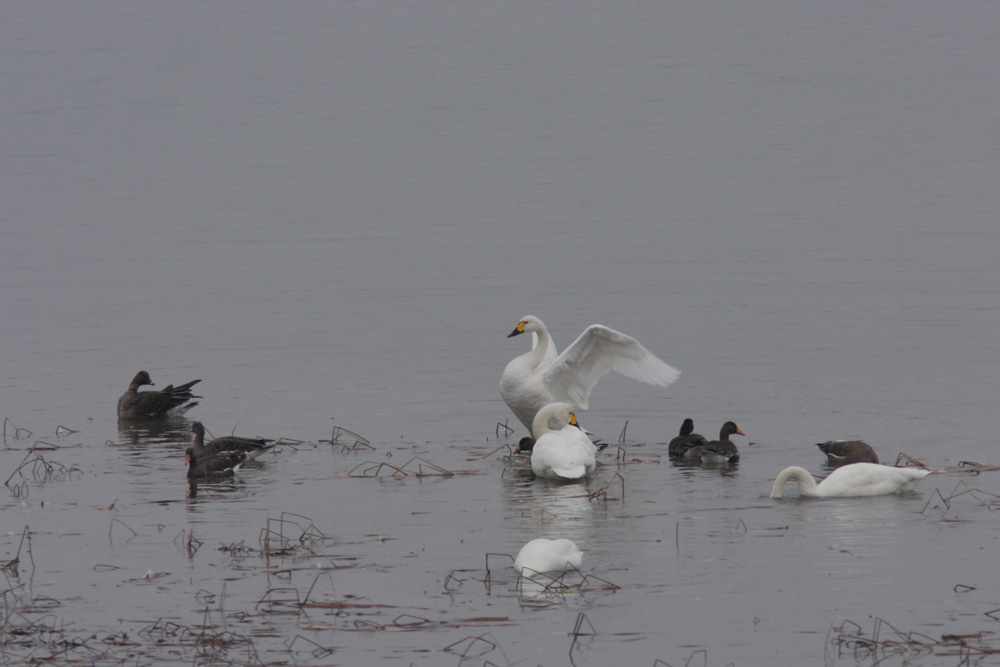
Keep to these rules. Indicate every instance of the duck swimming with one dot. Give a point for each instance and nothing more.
(170, 402)
(842, 452)
(687, 440)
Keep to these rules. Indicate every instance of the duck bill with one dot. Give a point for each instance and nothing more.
(739, 432)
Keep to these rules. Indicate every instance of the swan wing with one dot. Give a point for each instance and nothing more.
(598, 350)
(870, 479)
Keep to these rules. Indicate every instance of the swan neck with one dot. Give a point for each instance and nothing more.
(542, 342)
(807, 483)
(554, 412)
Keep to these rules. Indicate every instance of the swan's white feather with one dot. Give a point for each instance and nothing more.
(852, 480)
(562, 450)
(545, 555)
(595, 352)
(539, 377)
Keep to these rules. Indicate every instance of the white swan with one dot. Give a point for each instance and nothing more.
(563, 451)
(542, 376)
(545, 555)
(854, 479)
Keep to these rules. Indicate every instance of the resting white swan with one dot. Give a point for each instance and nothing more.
(563, 451)
(854, 479)
(543, 376)
(545, 555)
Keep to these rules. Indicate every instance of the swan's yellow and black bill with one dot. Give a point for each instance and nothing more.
(519, 329)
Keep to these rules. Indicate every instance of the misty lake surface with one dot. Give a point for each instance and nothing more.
(334, 213)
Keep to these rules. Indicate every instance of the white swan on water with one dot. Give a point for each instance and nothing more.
(561, 450)
(542, 376)
(545, 555)
(855, 479)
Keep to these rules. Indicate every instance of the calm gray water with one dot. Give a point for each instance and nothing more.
(334, 213)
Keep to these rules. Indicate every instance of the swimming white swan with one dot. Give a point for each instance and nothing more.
(545, 555)
(854, 479)
(562, 450)
(542, 376)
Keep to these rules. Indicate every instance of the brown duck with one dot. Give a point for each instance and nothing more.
(842, 452)
(170, 402)
(252, 447)
(224, 464)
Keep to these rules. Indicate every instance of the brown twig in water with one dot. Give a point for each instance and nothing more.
(910, 460)
(621, 436)
(373, 468)
(507, 430)
(578, 631)
(558, 586)
(305, 600)
(271, 603)
(464, 648)
(360, 442)
(18, 433)
(48, 468)
(114, 521)
(886, 640)
(486, 456)
(12, 566)
(602, 492)
(937, 493)
(488, 580)
(308, 534)
(318, 652)
(17, 469)
(191, 544)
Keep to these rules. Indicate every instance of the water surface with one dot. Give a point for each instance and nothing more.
(333, 214)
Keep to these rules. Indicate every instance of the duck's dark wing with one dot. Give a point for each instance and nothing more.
(252, 447)
(724, 449)
(842, 452)
(683, 445)
(152, 404)
(220, 465)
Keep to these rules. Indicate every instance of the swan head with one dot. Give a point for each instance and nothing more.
(553, 417)
(527, 323)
